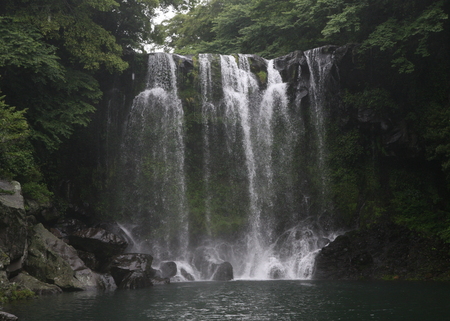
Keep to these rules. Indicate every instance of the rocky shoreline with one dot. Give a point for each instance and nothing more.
(42, 254)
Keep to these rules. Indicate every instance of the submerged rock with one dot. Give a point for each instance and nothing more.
(224, 272)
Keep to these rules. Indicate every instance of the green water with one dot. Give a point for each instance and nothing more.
(249, 300)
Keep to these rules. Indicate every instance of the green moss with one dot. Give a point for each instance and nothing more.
(37, 191)
(262, 76)
(15, 293)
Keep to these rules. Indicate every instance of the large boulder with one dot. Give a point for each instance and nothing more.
(168, 269)
(98, 241)
(13, 227)
(4, 316)
(33, 284)
(224, 272)
(52, 261)
(132, 270)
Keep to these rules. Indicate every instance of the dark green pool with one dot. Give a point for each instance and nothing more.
(249, 300)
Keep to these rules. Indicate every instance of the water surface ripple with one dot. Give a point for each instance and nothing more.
(249, 300)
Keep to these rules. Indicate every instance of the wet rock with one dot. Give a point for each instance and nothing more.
(67, 227)
(106, 282)
(224, 272)
(132, 271)
(7, 316)
(135, 280)
(276, 273)
(53, 261)
(33, 284)
(90, 260)
(288, 65)
(186, 275)
(322, 242)
(168, 269)
(98, 241)
(205, 261)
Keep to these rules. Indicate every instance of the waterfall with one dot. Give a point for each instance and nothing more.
(153, 159)
(247, 201)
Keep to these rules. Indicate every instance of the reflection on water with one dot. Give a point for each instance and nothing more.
(249, 300)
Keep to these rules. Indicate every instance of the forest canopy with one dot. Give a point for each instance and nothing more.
(51, 54)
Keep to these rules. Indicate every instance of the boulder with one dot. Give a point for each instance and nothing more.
(276, 273)
(132, 270)
(224, 272)
(51, 260)
(33, 284)
(13, 226)
(7, 316)
(168, 269)
(98, 241)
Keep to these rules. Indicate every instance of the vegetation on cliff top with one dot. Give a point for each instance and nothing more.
(393, 164)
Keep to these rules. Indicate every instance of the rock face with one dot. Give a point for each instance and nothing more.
(385, 251)
(53, 261)
(224, 272)
(13, 228)
(132, 271)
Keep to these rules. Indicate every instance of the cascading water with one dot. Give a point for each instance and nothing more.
(244, 204)
(153, 157)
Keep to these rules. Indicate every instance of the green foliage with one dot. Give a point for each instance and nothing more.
(37, 191)
(400, 36)
(416, 204)
(15, 157)
(437, 134)
(23, 46)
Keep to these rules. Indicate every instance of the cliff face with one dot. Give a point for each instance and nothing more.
(375, 159)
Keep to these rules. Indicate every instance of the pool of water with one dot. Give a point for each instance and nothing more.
(248, 300)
